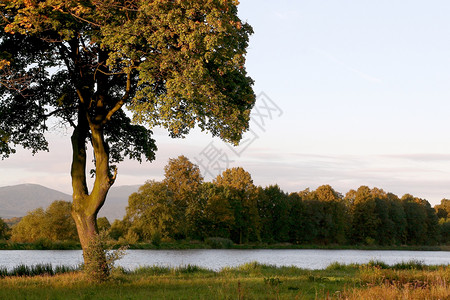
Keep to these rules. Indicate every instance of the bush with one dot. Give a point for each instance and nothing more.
(377, 264)
(99, 261)
(409, 265)
(219, 243)
(156, 239)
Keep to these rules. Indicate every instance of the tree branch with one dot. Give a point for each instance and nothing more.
(121, 102)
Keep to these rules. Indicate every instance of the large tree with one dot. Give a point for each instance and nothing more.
(171, 63)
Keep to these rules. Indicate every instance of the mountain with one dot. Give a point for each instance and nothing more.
(117, 201)
(18, 200)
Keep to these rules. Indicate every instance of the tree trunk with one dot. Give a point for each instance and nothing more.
(95, 264)
(86, 206)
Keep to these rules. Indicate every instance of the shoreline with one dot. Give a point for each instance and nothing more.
(185, 245)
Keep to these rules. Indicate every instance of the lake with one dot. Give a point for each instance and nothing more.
(218, 259)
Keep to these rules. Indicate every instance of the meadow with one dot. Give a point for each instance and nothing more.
(374, 280)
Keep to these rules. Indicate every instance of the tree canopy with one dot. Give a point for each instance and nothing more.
(172, 63)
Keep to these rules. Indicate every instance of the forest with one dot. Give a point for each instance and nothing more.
(231, 208)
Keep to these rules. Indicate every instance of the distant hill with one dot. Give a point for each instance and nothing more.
(18, 200)
(117, 201)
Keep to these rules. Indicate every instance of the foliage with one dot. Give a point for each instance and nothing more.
(103, 224)
(4, 230)
(422, 222)
(53, 224)
(219, 243)
(364, 218)
(273, 207)
(217, 218)
(443, 209)
(183, 180)
(99, 260)
(242, 194)
(444, 230)
(150, 211)
(232, 207)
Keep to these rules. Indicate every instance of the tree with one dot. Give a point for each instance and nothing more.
(150, 211)
(217, 215)
(335, 214)
(297, 219)
(242, 195)
(365, 221)
(176, 64)
(103, 224)
(58, 222)
(183, 180)
(30, 228)
(4, 230)
(444, 225)
(273, 209)
(53, 224)
(443, 209)
(398, 218)
(118, 229)
(416, 220)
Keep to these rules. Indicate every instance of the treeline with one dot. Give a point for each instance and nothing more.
(183, 206)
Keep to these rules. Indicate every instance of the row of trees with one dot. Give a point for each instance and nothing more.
(231, 206)
(183, 206)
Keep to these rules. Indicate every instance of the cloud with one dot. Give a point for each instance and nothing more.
(421, 157)
(298, 171)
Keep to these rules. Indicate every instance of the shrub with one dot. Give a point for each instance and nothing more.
(99, 261)
(219, 243)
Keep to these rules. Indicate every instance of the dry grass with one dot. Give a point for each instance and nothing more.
(250, 281)
(398, 292)
(379, 283)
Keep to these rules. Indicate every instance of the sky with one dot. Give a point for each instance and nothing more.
(350, 93)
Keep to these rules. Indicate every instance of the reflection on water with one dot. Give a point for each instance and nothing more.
(218, 259)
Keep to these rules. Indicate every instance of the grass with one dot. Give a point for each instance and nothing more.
(409, 280)
(36, 270)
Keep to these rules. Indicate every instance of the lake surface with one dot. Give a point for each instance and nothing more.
(218, 259)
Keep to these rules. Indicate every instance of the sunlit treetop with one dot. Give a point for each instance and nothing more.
(175, 64)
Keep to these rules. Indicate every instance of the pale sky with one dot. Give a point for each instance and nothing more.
(358, 94)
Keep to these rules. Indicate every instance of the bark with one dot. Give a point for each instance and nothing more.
(86, 206)
(93, 114)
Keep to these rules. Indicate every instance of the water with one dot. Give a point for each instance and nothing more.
(218, 259)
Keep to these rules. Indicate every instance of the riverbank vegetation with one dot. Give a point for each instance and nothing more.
(375, 280)
(182, 211)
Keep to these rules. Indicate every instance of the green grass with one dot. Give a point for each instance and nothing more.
(36, 270)
(249, 281)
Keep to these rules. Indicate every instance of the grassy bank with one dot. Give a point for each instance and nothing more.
(180, 245)
(250, 281)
